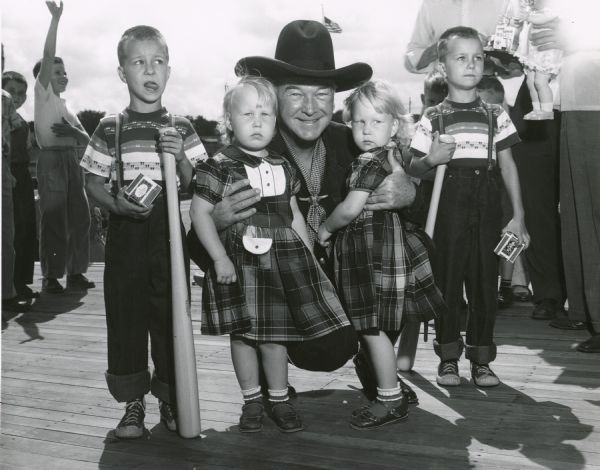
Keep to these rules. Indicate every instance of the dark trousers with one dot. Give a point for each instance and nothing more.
(467, 229)
(25, 228)
(137, 295)
(538, 174)
(537, 160)
(580, 212)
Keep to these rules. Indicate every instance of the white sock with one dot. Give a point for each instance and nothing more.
(536, 106)
(547, 107)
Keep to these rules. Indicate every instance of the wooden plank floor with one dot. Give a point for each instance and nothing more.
(58, 414)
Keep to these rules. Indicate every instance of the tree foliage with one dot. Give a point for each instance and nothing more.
(90, 119)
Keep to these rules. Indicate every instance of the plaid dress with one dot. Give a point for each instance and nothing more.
(382, 270)
(282, 295)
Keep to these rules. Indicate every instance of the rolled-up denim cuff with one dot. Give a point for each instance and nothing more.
(161, 390)
(125, 388)
(449, 351)
(481, 354)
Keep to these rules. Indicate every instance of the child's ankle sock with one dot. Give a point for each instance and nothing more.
(505, 283)
(388, 395)
(547, 107)
(252, 394)
(278, 396)
(536, 106)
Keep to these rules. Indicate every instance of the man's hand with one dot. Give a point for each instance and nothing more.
(234, 208)
(549, 35)
(396, 191)
(125, 207)
(55, 10)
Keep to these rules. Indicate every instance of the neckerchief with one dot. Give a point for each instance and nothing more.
(313, 176)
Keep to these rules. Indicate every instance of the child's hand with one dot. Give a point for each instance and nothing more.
(123, 206)
(225, 271)
(517, 226)
(55, 10)
(323, 236)
(440, 152)
(65, 129)
(170, 141)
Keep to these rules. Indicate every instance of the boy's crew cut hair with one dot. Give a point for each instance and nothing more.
(384, 99)
(13, 76)
(462, 32)
(139, 33)
(266, 95)
(38, 65)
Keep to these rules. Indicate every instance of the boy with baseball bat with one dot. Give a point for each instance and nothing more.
(474, 140)
(137, 286)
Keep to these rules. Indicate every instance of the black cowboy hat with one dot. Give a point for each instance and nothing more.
(304, 50)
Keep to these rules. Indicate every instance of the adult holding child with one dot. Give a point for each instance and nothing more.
(320, 150)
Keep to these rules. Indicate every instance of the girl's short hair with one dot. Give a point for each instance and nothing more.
(266, 94)
(384, 99)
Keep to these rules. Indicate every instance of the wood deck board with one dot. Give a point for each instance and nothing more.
(58, 414)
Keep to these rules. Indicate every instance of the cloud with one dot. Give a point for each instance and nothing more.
(205, 40)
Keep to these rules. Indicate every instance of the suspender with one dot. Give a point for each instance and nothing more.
(118, 159)
(490, 116)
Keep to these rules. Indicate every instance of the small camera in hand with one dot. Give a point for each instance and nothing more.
(142, 190)
(509, 247)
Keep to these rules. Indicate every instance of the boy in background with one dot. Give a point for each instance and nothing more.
(64, 210)
(25, 243)
(137, 279)
(468, 225)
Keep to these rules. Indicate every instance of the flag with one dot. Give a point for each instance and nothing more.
(331, 26)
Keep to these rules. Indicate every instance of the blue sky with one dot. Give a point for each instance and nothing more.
(206, 38)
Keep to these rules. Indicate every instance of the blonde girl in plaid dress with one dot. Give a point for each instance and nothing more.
(265, 287)
(374, 273)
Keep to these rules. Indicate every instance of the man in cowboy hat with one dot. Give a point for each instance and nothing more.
(306, 80)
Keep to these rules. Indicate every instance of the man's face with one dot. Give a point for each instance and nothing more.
(305, 110)
(463, 64)
(251, 119)
(145, 70)
(18, 91)
(59, 79)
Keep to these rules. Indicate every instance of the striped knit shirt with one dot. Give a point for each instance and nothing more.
(468, 124)
(138, 143)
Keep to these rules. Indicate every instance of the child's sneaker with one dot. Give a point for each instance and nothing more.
(483, 376)
(252, 416)
(132, 423)
(448, 374)
(286, 417)
(168, 415)
(379, 414)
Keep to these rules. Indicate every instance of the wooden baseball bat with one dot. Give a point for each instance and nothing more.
(186, 380)
(407, 347)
